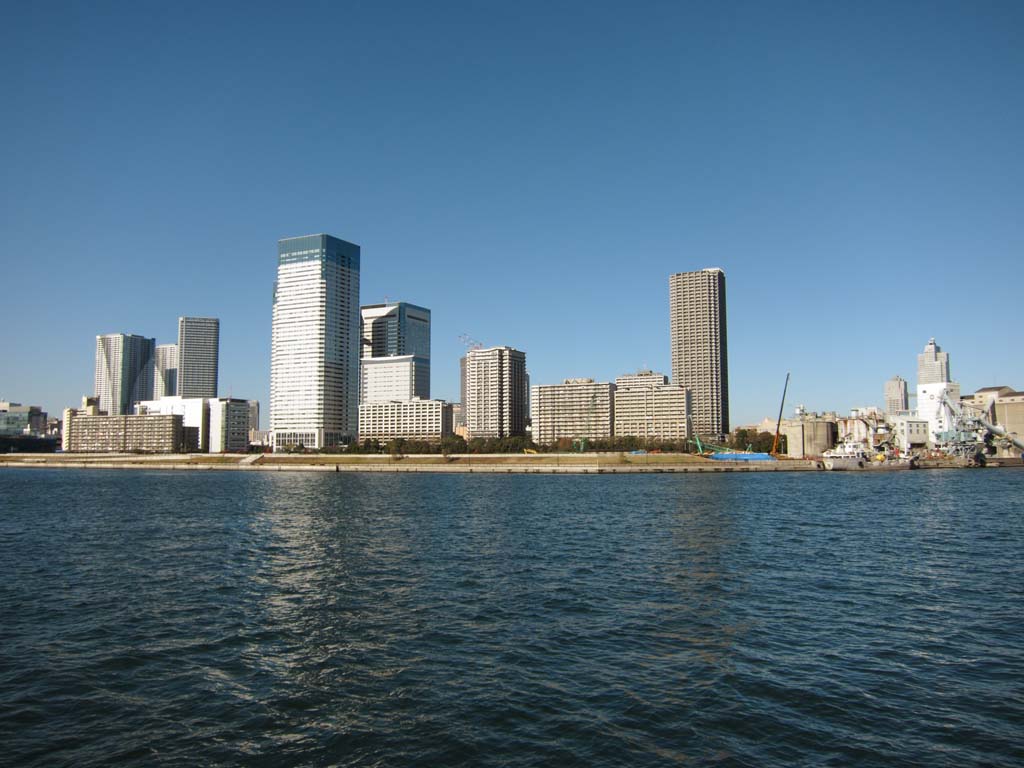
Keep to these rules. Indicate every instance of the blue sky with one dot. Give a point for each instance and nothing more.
(532, 173)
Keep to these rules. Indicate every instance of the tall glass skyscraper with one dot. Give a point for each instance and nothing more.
(198, 352)
(124, 372)
(314, 347)
(700, 359)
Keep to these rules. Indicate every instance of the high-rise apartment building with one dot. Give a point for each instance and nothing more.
(699, 346)
(896, 398)
(496, 399)
(647, 406)
(576, 408)
(165, 371)
(399, 329)
(315, 339)
(198, 350)
(933, 365)
(124, 372)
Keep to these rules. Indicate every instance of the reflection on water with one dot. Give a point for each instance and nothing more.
(284, 618)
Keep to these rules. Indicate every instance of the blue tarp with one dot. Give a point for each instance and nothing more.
(742, 457)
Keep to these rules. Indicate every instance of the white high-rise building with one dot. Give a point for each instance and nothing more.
(576, 408)
(700, 360)
(896, 399)
(315, 339)
(198, 353)
(398, 330)
(931, 408)
(124, 372)
(496, 398)
(647, 406)
(932, 364)
(165, 372)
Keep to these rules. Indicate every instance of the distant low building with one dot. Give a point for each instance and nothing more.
(18, 420)
(910, 433)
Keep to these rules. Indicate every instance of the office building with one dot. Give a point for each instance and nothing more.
(932, 365)
(124, 372)
(165, 372)
(198, 351)
(647, 406)
(495, 401)
(400, 377)
(315, 339)
(415, 419)
(576, 408)
(399, 329)
(229, 424)
(896, 399)
(699, 346)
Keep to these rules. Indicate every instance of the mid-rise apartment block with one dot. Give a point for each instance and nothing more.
(124, 372)
(700, 360)
(315, 343)
(576, 408)
(429, 420)
(198, 354)
(647, 406)
(122, 434)
(495, 400)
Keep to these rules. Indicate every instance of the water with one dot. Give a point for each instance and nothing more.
(156, 618)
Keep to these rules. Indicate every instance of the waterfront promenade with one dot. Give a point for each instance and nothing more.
(501, 463)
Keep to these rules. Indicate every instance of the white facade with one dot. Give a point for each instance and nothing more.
(194, 412)
(576, 408)
(124, 372)
(409, 419)
(932, 365)
(647, 406)
(229, 425)
(700, 360)
(389, 378)
(910, 432)
(496, 392)
(314, 367)
(930, 407)
(198, 355)
(165, 372)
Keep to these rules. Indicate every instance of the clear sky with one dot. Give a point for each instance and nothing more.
(532, 173)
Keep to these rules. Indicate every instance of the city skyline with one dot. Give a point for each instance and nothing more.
(845, 161)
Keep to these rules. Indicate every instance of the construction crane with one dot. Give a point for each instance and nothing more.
(469, 342)
(778, 424)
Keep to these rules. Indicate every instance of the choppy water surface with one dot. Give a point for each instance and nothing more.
(307, 619)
